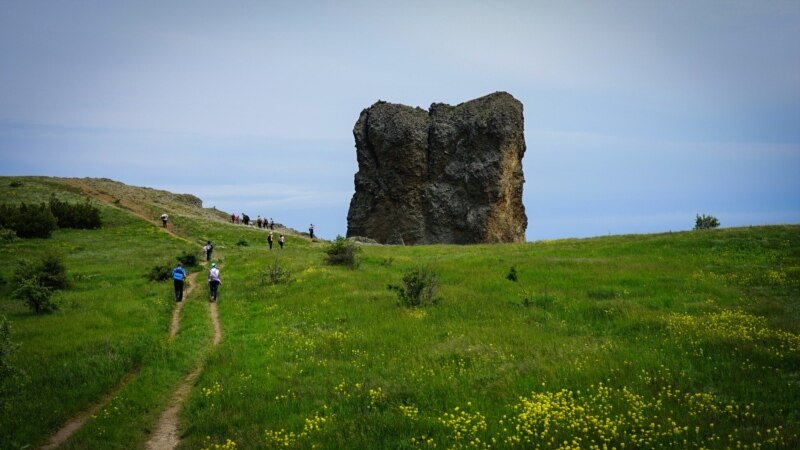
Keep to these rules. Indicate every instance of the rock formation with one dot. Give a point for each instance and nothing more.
(452, 174)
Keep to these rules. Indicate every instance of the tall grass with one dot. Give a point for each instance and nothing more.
(674, 340)
(331, 361)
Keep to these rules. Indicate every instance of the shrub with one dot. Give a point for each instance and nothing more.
(36, 281)
(242, 243)
(15, 184)
(512, 274)
(342, 252)
(188, 259)
(36, 296)
(705, 222)
(276, 273)
(50, 271)
(7, 235)
(28, 221)
(160, 272)
(75, 215)
(420, 286)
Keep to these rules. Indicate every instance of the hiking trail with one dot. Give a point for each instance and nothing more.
(76, 422)
(165, 434)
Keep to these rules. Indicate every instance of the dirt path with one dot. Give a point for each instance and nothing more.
(77, 422)
(166, 434)
(175, 324)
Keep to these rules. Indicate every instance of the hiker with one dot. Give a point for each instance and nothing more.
(164, 220)
(214, 281)
(208, 248)
(281, 241)
(259, 221)
(178, 276)
(311, 231)
(245, 219)
(233, 218)
(271, 224)
(269, 240)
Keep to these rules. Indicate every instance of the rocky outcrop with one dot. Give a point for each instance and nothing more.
(452, 174)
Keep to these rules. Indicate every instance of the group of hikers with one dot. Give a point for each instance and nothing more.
(214, 280)
(179, 273)
(260, 223)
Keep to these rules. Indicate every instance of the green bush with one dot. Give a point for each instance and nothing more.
(512, 274)
(242, 243)
(50, 272)
(15, 184)
(276, 273)
(35, 282)
(705, 222)
(188, 259)
(160, 272)
(36, 296)
(7, 235)
(75, 215)
(28, 221)
(342, 252)
(420, 286)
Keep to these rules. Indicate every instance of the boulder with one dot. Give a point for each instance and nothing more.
(452, 174)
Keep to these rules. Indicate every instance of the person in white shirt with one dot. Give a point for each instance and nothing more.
(214, 281)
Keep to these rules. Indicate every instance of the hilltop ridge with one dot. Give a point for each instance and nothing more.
(146, 202)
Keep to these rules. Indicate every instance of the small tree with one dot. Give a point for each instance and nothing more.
(36, 281)
(276, 273)
(342, 252)
(705, 222)
(75, 215)
(28, 221)
(35, 295)
(160, 272)
(420, 286)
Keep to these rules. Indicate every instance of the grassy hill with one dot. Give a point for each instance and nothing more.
(672, 340)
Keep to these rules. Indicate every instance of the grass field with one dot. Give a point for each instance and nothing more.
(680, 340)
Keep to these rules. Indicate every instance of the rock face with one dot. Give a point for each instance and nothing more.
(452, 174)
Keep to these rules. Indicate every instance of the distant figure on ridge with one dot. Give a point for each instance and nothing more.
(245, 219)
(164, 218)
(269, 240)
(214, 281)
(178, 276)
(259, 221)
(281, 241)
(271, 224)
(233, 218)
(311, 231)
(208, 248)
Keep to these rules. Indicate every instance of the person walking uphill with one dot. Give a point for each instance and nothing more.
(269, 240)
(208, 248)
(178, 277)
(164, 218)
(281, 241)
(214, 281)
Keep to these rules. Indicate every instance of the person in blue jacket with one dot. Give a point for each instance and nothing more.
(178, 277)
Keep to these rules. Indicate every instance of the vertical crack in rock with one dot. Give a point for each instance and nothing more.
(452, 174)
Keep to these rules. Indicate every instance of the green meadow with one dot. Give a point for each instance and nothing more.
(676, 340)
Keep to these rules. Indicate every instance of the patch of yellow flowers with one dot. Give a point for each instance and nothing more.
(227, 445)
(734, 326)
(283, 438)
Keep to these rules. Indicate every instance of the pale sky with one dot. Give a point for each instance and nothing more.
(638, 114)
